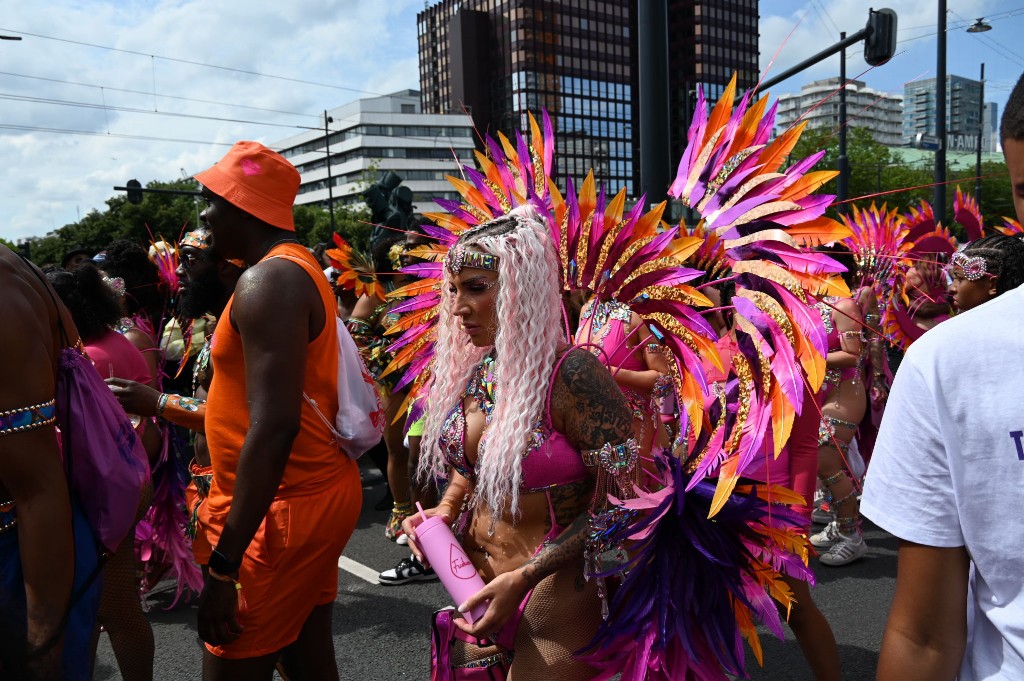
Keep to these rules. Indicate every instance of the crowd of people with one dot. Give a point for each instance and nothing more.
(638, 433)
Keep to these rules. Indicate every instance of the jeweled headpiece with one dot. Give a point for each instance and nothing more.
(458, 257)
(974, 266)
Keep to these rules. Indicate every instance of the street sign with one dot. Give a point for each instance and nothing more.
(927, 142)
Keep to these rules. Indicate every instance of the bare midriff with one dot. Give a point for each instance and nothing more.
(510, 545)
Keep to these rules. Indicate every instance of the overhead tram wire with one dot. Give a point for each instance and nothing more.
(108, 107)
(94, 133)
(196, 63)
(150, 94)
(122, 109)
(353, 118)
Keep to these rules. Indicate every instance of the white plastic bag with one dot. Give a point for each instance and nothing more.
(359, 423)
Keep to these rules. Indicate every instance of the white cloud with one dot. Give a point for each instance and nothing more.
(815, 26)
(48, 179)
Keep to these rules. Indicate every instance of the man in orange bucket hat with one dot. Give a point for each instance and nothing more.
(284, 499)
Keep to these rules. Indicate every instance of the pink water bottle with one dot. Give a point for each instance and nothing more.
(450, 562)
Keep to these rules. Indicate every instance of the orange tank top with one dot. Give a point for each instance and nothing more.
(315, 461)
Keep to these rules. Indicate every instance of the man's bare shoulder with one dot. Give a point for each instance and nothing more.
(27, 322)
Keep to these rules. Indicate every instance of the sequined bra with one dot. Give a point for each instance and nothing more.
(550, 461)
(835, 376)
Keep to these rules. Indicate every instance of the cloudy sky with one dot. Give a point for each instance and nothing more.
(100, 91)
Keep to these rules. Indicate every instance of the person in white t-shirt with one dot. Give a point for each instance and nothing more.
(947, 477)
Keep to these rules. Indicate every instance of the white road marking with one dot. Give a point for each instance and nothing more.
(358, 569)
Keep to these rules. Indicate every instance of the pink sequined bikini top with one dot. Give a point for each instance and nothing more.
(550, 461)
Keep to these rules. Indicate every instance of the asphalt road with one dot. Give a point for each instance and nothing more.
(382, 633)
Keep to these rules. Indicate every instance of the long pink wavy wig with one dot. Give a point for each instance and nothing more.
(529, 313)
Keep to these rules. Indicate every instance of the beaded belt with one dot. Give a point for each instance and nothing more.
(28, 418)
(8, 517)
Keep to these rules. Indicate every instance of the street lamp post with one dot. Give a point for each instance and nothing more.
(330, 182)
(979, 26)
(981, 132)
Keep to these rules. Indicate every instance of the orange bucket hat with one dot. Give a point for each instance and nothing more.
(258, 180)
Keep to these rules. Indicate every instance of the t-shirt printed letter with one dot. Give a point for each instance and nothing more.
(1017, 436)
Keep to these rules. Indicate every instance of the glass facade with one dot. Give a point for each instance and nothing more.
(962, 111)
(499, 59)
(503, 58)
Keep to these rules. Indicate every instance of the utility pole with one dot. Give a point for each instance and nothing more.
(940, 118)
(652, 30)
(330, 182)
(843, 185)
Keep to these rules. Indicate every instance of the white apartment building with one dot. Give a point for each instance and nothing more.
(818, 104)
(380, 134)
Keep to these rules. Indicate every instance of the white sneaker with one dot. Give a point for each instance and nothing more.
(402, 540)
(846, 549)
(828, 536)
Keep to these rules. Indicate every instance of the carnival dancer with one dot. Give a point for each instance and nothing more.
(984, 269)
(284, 500)
(796, 469)
(522, 420)
(205, 283)
(843, 406)
(47, 549)
(160, 535)
(96, 310)
(738, 538)
(624, 344)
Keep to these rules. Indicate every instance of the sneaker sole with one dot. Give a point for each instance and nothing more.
(840, 563)
(399, 582)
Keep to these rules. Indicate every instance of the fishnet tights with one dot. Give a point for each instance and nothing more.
(120, 613)
(561, 617)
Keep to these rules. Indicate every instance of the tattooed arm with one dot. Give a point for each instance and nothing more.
(590, 410)
(588, 407)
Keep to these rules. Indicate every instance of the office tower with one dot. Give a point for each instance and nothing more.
(498, 59)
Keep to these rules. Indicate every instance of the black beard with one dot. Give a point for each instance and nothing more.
(203, 296)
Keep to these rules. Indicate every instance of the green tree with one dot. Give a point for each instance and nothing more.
(159, 215)
(313, 225)
(881, 174)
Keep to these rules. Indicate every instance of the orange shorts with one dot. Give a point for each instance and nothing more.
(291, 566)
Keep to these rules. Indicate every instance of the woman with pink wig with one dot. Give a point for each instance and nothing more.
(524, 424)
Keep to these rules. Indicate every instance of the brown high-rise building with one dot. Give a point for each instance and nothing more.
(578, 59)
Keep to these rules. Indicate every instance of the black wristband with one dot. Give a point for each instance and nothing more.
(219, 563)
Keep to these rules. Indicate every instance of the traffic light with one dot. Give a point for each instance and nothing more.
(880, 44)
(134, 191)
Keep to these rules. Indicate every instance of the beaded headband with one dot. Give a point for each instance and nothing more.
(458, 257)
(975, 267)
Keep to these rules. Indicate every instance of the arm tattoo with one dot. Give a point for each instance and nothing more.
(592, 407)
(569, 501)
(560, 551)
(593, 412)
